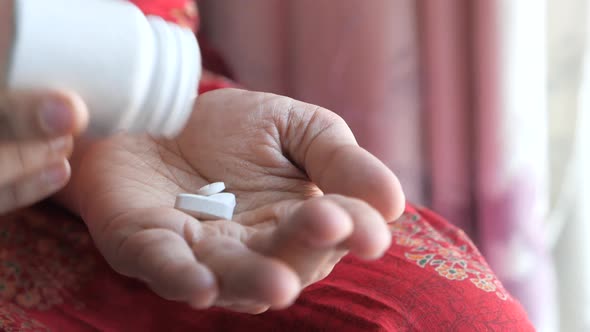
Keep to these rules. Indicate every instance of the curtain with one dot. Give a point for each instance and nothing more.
(357, 58)
(569, 222)
(450, 94)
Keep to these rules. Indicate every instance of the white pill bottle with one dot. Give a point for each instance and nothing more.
(137, 74)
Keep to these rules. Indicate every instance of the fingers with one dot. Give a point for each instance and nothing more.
(311, 238)
(32, 171)
(34, 187)
(35, 139)
(165, 262)
(371, 236)
(248, 279)
(215, 270)
(306, 239)
(21, 158)
(220, 270)
(33, 116)
(161, 258)
(321, 142)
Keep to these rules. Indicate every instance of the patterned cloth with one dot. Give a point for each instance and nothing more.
(431, 279)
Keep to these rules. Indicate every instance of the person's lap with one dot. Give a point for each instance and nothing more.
(432, 278)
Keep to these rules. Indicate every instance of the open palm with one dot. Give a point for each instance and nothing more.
(306, 194)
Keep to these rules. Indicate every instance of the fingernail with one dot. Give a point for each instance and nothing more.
(56, 117)
(56, 175)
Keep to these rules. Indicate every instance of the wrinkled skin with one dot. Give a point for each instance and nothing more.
(307, 194)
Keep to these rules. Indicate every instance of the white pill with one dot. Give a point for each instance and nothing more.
(211, 189)
(226, 198)
(207, 208)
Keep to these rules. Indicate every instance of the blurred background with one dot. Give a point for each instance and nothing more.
(481, 108)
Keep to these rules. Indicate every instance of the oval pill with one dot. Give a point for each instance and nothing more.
(206, 208)
(226, 198)
(211, 189)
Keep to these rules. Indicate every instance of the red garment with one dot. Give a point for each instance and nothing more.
(431, 279)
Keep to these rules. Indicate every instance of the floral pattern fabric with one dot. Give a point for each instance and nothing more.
(431, 279)
(449, 255)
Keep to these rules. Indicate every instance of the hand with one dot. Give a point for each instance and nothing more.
(307, 194)
(35, 141)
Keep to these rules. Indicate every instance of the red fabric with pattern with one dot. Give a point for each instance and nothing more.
(431, 279)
